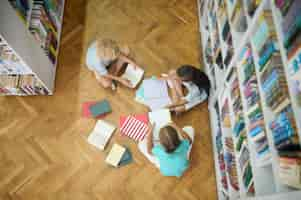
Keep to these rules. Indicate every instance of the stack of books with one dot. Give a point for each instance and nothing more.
(225, 115)
(221, 161)
(239, 20)
(9, 62)
(284, 129)
(264, 32)
(291, 25)
(229, 157)
(119, 156)
(273, 83)
(290, 170)
(235, 96)
(44, 27)
(21, 85)
(252, 6)
(295, 72)
(257, 132)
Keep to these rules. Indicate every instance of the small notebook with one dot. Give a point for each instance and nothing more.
(100, 108)
(160, 118)
(133, 75)
(101, 134)
(115, 155)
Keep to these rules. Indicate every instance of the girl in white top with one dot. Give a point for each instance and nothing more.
(107, 60)
(194, 81)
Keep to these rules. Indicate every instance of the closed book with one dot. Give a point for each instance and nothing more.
(100, 108)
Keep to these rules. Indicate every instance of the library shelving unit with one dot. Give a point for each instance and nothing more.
(29, 46)
(252, 56)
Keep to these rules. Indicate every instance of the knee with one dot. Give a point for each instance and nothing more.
(106, 84)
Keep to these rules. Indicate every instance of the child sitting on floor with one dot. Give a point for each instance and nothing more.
(171, 154)
(194, 81)
(107, 60)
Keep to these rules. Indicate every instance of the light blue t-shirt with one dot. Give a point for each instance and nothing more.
(94, 63)
(175, 163)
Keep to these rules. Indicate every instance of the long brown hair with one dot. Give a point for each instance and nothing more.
(169, 138)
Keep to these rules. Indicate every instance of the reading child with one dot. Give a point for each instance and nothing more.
(194, 81)
(107, 60)
(171, 153)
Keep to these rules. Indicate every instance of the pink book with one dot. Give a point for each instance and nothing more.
(134, 126)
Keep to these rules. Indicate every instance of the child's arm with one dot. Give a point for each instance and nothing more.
(121, 80)
(127, 60)
(150, 143)
(183, 133)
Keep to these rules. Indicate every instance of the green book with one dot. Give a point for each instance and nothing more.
(100, 108)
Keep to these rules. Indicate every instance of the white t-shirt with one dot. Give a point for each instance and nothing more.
(194, 95)
(94, 62)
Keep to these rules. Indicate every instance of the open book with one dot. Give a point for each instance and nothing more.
(115, 155)
(133, 75)
(160, 118)
(101, 134)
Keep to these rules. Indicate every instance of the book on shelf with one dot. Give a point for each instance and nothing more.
(21, 85)
(290, 171)
(101, 134)
(283, 5)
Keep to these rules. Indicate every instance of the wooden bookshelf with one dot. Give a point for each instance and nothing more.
(254, 96)
(31, 30)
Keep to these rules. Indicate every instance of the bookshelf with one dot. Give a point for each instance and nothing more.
(252, 55)
(29, 46)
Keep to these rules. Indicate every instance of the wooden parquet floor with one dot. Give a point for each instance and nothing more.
(43, 150)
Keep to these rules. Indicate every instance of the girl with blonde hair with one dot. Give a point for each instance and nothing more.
(108, 61)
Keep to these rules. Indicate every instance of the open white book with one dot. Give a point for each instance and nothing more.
(133, 75)
(115, 155)
(101, 134)
(160, 118)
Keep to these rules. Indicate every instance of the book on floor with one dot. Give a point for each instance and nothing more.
(160, 118)
(101, 134)
(134, 75)
(156, 93)
(100, 108)
(126, 159)
(134, 127)
(115, 155)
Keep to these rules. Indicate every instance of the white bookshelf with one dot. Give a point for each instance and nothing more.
(267, 183)
(15, 31)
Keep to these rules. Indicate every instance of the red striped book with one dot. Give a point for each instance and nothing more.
(134, 128)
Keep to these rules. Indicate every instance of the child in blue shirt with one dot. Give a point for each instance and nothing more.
(171, 154)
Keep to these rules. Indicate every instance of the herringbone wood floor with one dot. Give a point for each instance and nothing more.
(43, 149)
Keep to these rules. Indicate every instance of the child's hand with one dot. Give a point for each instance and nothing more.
(127, 83)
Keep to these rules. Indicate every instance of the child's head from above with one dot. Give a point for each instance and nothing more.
(185, 72)
(169, 138)
(107, 49)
